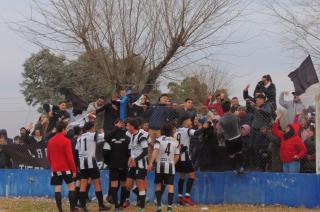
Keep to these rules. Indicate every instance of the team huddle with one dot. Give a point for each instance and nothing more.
(130, 154)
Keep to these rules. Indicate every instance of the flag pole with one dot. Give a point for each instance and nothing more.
(317, 134)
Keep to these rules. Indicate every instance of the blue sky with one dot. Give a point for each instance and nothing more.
(261, 53)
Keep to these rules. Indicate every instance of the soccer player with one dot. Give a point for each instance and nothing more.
(63, 168)
(166, 154)
(137, 162)
(117, 156)
(74, 139)
(86, 146)
(184, 166)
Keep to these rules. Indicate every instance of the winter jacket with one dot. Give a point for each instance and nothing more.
(291, 106)
(159, 114)
(308, 163)
(187, 112)
(261, 117)
(269, 92)
(111, 114)
(290, 147)
(214, 105)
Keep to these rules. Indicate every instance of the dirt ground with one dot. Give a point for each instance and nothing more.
(48, 205)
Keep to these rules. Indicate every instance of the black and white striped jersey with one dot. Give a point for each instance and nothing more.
(86, 146)
(168, 147)
(183, 136)
(146, 134)
(138, 142)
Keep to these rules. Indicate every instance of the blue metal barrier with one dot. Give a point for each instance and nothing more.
(209, 188)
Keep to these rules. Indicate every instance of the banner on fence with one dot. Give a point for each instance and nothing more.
(33, 156)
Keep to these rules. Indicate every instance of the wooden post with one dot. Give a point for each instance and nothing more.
(318, 134)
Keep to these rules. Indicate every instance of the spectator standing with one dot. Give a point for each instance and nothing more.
(58, 113)
(308, 163)
(245, 137)
(17, 140)
(187, 110)
(261, 118)
(293, 107)
(266, 87)
(304, 125)
(229, 126)
(139, 107)
(292, 149)
(37, 137)
(25, 134)
(244, 116)
(158, 115)
(93, 106)
(123, 103)
(264, 150)
(111, 113)
(234, 104)
(217, 104)
(5, 134)
(5, 160)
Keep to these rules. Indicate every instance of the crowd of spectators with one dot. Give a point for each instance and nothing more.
(265, 146)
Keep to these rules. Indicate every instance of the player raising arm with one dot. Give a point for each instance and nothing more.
(116, 156)
(166, 154)
(184, 166)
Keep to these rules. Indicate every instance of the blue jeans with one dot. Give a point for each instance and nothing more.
(292, 167)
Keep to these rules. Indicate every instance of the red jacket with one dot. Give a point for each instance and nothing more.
(290, 147)
(59, 154)
(214, 105)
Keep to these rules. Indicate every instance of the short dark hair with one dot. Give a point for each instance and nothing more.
(234, 97)
(117, 121)
(134, 122)
(77, 130)
(88, 126)
(162, 95)
(260, 96)
(62, 101)
(226, 106)
(167, 129)
(183, 119)
(267, 77)
(102, 97)
(188, 99)
(61, 125)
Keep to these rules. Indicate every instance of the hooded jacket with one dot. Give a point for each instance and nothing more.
(291, 146)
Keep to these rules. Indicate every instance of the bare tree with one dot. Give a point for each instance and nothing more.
(131, 41)
(214, 77)
(300, 21)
